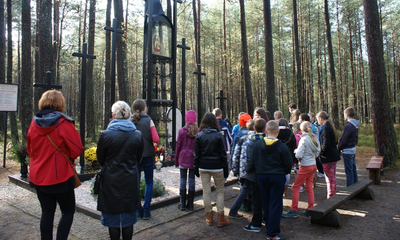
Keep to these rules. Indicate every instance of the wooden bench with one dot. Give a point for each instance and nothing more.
(375, 169)
(326, 214)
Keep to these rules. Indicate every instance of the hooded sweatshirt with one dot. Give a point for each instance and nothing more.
(307, 151)
(349, 138)
(47, 165)
(270, 156)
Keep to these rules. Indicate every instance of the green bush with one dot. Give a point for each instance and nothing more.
(158, 188)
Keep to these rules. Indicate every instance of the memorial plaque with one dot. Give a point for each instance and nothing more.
(8, 97)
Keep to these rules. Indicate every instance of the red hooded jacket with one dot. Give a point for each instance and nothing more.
(48, 166)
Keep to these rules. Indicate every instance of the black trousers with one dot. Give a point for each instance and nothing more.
(48, 202)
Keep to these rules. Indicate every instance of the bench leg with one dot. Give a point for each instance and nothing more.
(332, 219)
(375, 176)
(367, 193)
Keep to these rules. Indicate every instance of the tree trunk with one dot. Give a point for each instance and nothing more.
(333, 92)
(90, 108)
(353, 80)
(107, 71)
(299, 78)
(269, 58)
(121, 52)
(26, 74)
(384, 133)
(37, 60)
(13, 115)
(45, 40)
(196, 31)
(56, 40)
(2, 55)
(340, 98)
(245, 56)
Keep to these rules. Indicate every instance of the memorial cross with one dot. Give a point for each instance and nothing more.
(114, 31)
(84, 56)
(199, 92)
(48, 84)
(184, 48)
(221, 101)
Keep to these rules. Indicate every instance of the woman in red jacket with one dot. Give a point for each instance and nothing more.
(50, 171)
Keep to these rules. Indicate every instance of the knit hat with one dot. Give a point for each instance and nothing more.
(191, 117)
(244, 119)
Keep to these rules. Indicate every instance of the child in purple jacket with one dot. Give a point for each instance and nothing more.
(184, 154)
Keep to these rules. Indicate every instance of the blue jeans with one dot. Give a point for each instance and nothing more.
(183, 172)
(147, 165)
(257, 205)
(271, 189)
(245, 188)
(350, 168)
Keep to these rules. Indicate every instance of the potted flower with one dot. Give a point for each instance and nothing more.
(91, 158)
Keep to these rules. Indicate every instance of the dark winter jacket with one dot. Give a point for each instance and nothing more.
(120, 148)
(252, 175)
(184, 152)
(288, 138)
(143, 125)
(329, 151)
(349, 138)
(270, 156)
(209, 150)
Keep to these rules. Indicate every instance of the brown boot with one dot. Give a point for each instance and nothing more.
(209, 219)
(222, 221)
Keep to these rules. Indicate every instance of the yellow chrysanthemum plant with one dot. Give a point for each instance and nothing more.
(90, 156)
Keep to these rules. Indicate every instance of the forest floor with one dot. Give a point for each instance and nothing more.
(362, 219)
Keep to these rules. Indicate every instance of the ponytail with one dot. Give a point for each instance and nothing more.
(325, 116)
(306, 127)
(193, 130)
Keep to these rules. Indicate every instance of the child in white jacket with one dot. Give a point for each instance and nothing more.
(306, 152)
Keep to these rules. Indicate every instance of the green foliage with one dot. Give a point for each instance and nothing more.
(366, 135)
(158, 188)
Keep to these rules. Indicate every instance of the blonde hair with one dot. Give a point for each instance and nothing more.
(325, 116)
(296, 114)
(278, 114)
(193, 129)
(121, 110)
(296, 126)
(306, 127)
(52, 99)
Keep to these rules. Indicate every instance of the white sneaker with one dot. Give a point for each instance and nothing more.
(321, 175)
(301, 189)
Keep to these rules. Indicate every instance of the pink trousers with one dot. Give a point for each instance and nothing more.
(305, 174)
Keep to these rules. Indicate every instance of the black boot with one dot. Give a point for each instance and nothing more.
(189, 205)
(181, 205)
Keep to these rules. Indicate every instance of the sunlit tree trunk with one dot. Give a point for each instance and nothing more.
(384, 133)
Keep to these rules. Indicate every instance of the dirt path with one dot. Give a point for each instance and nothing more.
(362, 219)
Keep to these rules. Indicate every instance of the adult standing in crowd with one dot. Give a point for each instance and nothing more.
(50, 172)
(210, 161)
(329, 152)
(144, 123)
(119, 151)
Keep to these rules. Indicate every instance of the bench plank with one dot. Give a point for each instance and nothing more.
(338, 199)
(375, 162)
(374, 166)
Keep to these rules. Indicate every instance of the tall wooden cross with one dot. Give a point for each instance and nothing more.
(48, 85)
(114, 31)
(184, 48)
(199, 92)
(221, 98)
(84, 56)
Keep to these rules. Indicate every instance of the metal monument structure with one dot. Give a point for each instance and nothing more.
(159, 63)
